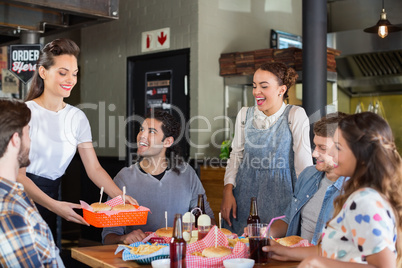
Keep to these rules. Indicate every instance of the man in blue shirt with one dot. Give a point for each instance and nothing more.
(316, 188)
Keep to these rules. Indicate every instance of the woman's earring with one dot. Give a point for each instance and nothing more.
(280, 95)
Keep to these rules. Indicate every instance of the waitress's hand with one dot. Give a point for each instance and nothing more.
(66, 210)
(130, 200)
(228, 203)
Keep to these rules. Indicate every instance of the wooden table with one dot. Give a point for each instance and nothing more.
(103, 257)
(279, 264)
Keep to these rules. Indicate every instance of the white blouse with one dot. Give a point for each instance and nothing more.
(299, 126)
(54, 138)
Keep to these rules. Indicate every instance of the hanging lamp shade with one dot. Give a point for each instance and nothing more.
(383, 26)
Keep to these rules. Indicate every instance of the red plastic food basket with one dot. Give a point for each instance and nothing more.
(124, 218)
(101, 220)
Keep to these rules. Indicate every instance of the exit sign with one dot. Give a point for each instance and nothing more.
(155, 40)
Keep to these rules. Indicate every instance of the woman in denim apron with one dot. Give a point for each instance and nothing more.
(270, 148)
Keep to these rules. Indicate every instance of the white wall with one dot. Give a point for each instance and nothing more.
(207, 27)
(105, 49)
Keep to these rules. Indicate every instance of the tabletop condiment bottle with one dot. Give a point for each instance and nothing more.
(177, 244)
(188, 225)
(201, 210)
(204, 226)
(253, 216)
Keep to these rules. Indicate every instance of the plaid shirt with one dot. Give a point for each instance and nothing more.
(25, 238)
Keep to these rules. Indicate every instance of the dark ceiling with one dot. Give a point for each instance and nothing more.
(50, 16)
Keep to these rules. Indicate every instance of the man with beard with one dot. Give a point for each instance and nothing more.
(25, 238)
(315, 190)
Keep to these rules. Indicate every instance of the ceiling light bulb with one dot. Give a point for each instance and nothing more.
(383, 31)
(383, 26)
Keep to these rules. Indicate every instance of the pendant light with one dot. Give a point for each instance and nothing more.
(383, 26)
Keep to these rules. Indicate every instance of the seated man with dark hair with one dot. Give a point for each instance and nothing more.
(25, 238)
(160, 181)
(315, 190)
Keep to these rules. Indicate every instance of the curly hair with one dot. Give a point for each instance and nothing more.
(378, 163)
(171, 128)
(285, 75)
(53, 49)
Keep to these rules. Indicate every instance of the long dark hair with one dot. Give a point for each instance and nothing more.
(14, 116)
(171, 128)
(53, 49)
(378, 164)
(285, 75)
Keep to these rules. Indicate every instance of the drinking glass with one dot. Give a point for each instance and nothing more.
(258, 238)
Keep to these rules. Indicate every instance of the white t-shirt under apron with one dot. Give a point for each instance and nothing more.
(299, 125)
(54, 138)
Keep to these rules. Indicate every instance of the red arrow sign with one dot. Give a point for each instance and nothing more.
(162, 38)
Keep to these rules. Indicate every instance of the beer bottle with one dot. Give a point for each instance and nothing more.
(201, 210)
(253, 217)
(177, 245)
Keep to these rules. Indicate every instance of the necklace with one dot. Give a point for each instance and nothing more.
(63, 104)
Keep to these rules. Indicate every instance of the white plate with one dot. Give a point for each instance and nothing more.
(162, 263)
(238, 263)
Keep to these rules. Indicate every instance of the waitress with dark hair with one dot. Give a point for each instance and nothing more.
(57, 129)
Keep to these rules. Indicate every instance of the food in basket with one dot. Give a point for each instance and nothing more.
(165, 232)
(124, 207)
(196, 253)
(138, 216)
(99, 207)
(232, 242)
(145, 249)
(216, 252)
(226, 231)
(289, 240)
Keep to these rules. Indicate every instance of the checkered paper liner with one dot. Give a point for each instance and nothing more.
(239, 251)
(303, 243)
(115, 218)
(165, 238)
(163, 253)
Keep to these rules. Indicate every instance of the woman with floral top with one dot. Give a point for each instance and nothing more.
(367, 215)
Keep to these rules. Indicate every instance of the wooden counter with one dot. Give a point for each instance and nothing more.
(212, 180)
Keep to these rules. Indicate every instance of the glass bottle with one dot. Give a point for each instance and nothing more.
(253, 216)
(201, 210)
(177, 245)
